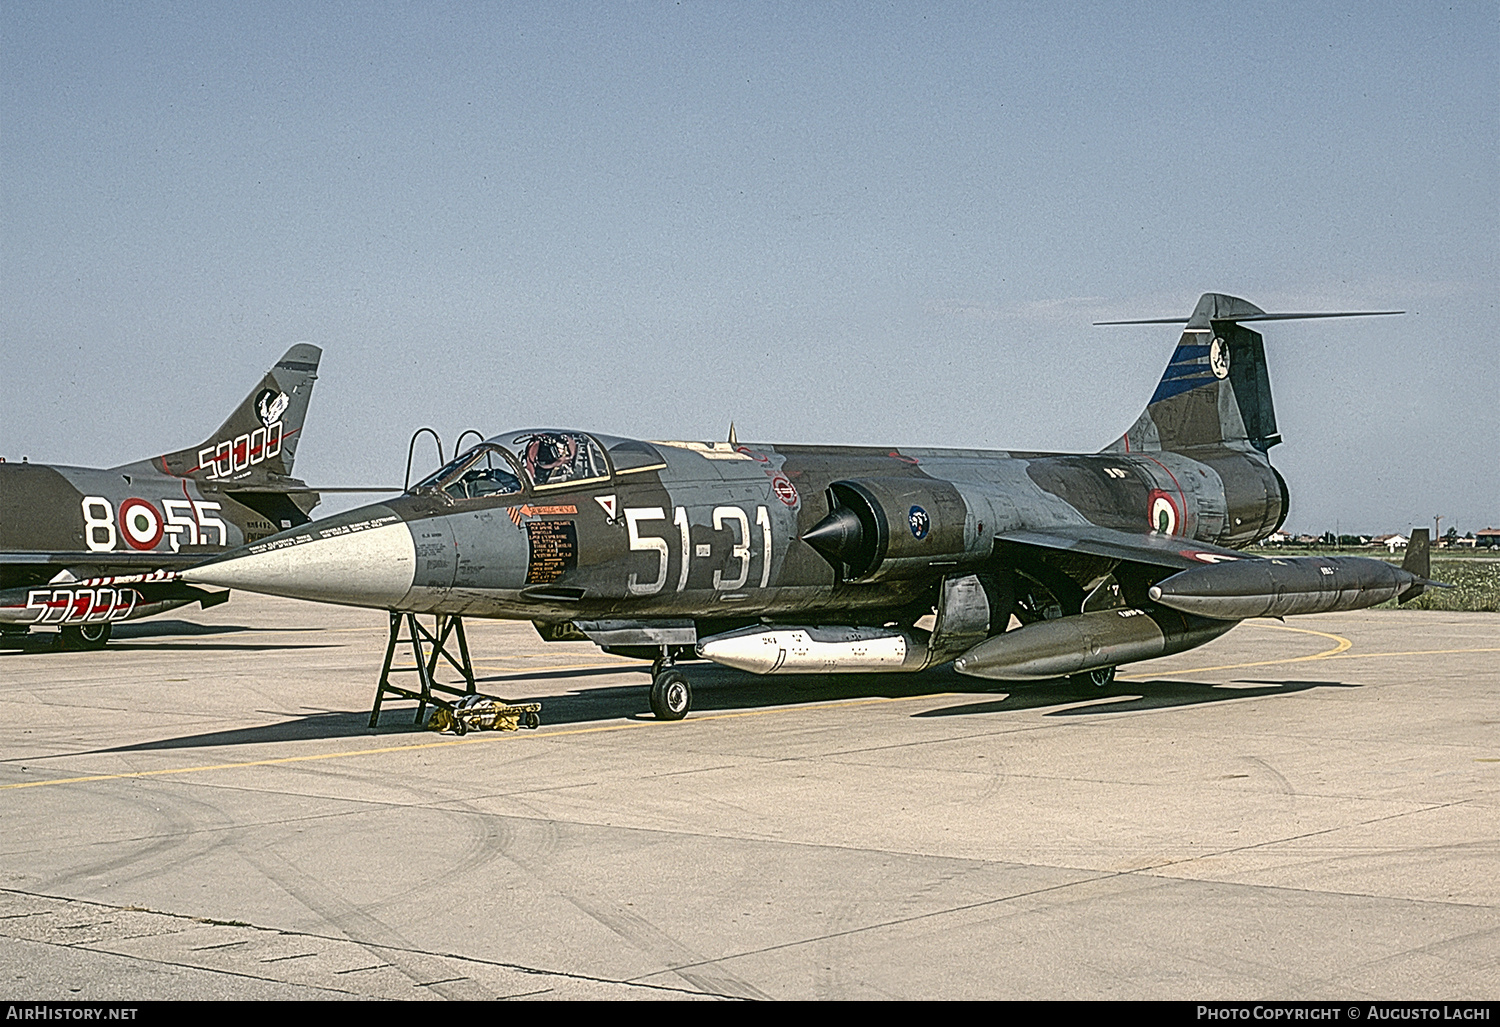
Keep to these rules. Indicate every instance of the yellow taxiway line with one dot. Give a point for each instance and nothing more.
(1340, 645)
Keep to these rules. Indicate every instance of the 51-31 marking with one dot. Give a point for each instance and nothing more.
(740, 554)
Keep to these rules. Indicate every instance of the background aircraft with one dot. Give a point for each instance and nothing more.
(84, 547)
(815, 559)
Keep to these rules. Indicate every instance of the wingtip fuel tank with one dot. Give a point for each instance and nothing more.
(1237, 589)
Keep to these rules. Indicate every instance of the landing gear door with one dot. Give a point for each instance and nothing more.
(963, 616)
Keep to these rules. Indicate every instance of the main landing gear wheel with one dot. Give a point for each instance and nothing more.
(85, 636)
(1100, 677)
(671, 698)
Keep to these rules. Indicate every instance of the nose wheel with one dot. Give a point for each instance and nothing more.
(671, 696)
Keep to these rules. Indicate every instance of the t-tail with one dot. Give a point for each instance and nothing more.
(257, 444)
(1216, 390)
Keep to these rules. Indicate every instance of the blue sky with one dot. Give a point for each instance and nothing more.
(843, 223)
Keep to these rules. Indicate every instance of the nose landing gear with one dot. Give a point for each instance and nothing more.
(671, 695)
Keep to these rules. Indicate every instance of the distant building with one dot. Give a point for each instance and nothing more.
(1391, 542)
(1488, 538)
(1277, 538)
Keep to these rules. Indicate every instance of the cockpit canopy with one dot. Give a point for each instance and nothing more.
(557, 457)
(485, 470)
(542, 458)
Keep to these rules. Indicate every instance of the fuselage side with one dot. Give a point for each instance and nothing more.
(675, 529)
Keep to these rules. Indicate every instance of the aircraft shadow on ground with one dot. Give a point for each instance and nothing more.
(123, 636)
(718, 689)
(34, 649)
(312, 726)
(715, 689)
(1123, 696)
(159, 628)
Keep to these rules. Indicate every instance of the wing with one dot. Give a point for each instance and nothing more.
(106, 562)
(1149, 548)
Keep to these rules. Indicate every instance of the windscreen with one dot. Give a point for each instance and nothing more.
(482, 471)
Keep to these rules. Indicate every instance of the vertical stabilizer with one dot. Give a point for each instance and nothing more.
(1418, 554)
(258, 441)
(1215, 391)
(1419, 562)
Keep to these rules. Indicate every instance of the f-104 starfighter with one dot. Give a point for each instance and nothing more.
(784, 559)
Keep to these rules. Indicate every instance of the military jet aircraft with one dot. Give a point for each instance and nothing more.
(816, 559)
(84, 548)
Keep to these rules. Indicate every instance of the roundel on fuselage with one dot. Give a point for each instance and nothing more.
(141, 523)
(1164, 514)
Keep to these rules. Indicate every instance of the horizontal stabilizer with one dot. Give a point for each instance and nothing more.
(1216, 390)
(1259, 316)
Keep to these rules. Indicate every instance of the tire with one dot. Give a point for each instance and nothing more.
(86, 636)
(533, 721)
(671, 696)
(1100, 677)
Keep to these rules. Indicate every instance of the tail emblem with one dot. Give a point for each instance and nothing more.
(270, 405)
(1218, 358)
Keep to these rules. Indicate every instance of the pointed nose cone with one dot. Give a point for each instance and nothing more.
(362, 558)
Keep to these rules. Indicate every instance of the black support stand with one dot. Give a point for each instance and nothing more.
(446, 631)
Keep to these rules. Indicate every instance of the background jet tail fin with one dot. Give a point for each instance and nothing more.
(1418, 554)
(1418, 562)
(1216, 391)
(259, 439)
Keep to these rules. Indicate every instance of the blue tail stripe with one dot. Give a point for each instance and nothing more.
(1170, 387)
(1185, 371)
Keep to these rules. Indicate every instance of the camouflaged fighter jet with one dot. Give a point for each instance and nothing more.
(784, 559)
(83, 548)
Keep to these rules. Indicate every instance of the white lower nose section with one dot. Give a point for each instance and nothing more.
(819, 650)
(364, 568)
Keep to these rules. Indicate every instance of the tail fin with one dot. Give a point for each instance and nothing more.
(1418, 554)
(1215, 391)
(258, 441)
(1419, 562)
